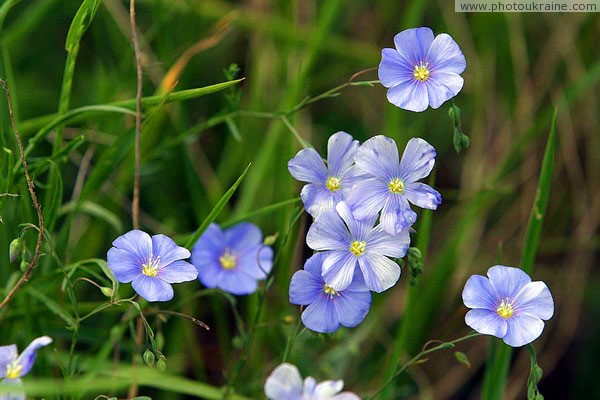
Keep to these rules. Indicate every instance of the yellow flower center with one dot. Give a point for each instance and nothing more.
(333, 183)
(358, 248)
(228, 260)
(330, 291)
(505, 309)
(421, 72)
(396, 186)
(151, 267)
(13, 370)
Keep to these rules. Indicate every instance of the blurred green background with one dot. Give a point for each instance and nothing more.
(520, 67)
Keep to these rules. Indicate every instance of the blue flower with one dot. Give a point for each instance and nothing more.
(232, 260)
(14, 366)
(285, 383)
(393, 183)
(151, 264)
(508, 305)
(328, 308)
(329, 184)
(349, 242)
(422, 71)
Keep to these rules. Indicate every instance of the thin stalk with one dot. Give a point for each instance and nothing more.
(138, 119)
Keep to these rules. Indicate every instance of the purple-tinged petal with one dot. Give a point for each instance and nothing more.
(367, 197)
(136, 242)
(507, 281)
(393, 69)
(308, 166)
(380, 272)
(396, 215)
(177, 272)
(338, 269)
(534, 299)
(212, 241)
(381, 242)
(310, 384)
(422, 195)
(340, 152)
(479, 293)
(328, 232)
(27, 357)
(317, 199)
(357, 285)
(346, 396)
(209, 273)
(409, 95)
(284, 382)
(378, 157)
(327, 389)
(243, 236)
(352, 307)
(314, 264)
(442, 87)
(124, 264)
(168, 251)
(258, 262)
(445, 55)
(417, 160)
(523, 329)
(237, 283)
(8, 354)
(486, 322)
(152, 288)
(413, 44)
(305, 287)
(346, 214)
(320, 316)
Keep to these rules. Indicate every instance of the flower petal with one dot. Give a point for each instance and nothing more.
(410, 95)
(507, 281)
(328, 232)
(397, 215)
(177, 272)
(423, 195)
(340, 152)
(327, 389)
(305, 287)
(413, 44)
(417, 160)
(168, 251)
(257, 262)
(212, 241)
(152, 288)
(352, 307)
(320, 316)
(314, 264)
(393, 69)
(124, 264)
(209, 272)
(534, 299)
(486, 322)
(442, 87)
(479, 293)
(308, 166)
(523, 329)
(381, 242)
(243, 236)
(27, 357)
(284, 382)
(317, 198)
(367, 197)
(136, 242)
(380, 272)
(8, 354)
(338, 269)
(346, 396)
(378, 157)
(445, 55)
(237, 282)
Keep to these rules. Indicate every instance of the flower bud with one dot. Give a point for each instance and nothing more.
(108, 292)
(149, 358)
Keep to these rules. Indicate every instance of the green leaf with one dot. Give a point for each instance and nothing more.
(462, 358)
(535, 375)
(53, 197)
(95, 210)
(52, 306)
(81, 23)
(216, 210)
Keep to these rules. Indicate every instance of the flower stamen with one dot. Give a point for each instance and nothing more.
(228, 260)
(330, 291)
(358, 248)
(333, 183)
(505, 309)
(421, 72)
(396, 186)
(13, 370)
(151, 267)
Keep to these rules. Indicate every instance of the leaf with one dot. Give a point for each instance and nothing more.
(52, 306)
(535, 375)
(81, 22)
(95, 210)
(462, 358)
(53, 197)
(216, 210)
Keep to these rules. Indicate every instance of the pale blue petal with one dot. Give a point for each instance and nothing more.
(346, 396)
(310, 384)
(523, 329)
(315, 263)
(338, 269)
(486, 322)
(152, 288)
(308, 166)
(417, 160)
(27, 357)
(209, 272)
(327, 389)
(393, 69)
(445, 55)
(124, 264)
(534, 299)
(507, 281)
(243, 236)
(379, 241)
(317, 198)
(409, 95)
(8, 354)
(305, 287)
(368, 197)
(442, 87)
(256, 262)
(340, 153)
(168, 251)
(284, 382)
(236, 282)
(479, 293)
(320, 316)
(378, 157)
(177, 272)
(413, 44)
(136, 242)
(423, 195)
(357, 285)
(380, 272)
(328, 232)
(212, 241)
(396, 215)
(346, 214)
(352, 307)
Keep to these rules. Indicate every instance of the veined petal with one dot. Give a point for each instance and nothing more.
(417, 161)
(27, 357)
(346, 214)
(340, 152)
(534, 299)
(327, 389)
(256, 262)
(8, 354)
(381, 242)
(177, 272)
(479, 293)
(445, 55)
(367, 197)
(308, 166)
(393, 69)
(305, 287)
(507, 281)
(338, 269)
(317, 198)
(314, 264)
(352, 307)
(328, 232)
(410, 95)
(380, 272)
(396, 215)
(284, 382)
(422, 195)
(413, 44)
(320, 316)
(243, 236)
(124, 264)
(237, 282)
(136, 242)
(442, 87)
(523, 329)
(378, 156)
(168, 251)
(486, 322)
(152, 288)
